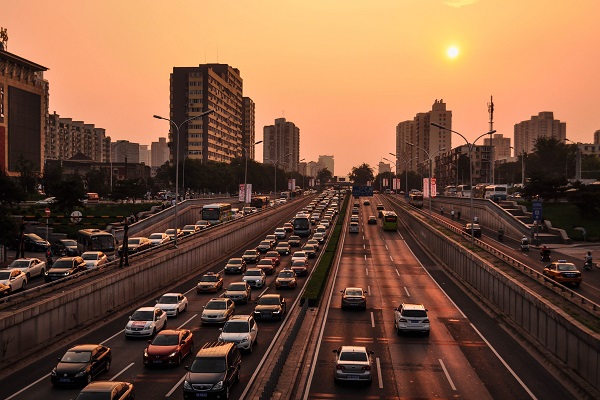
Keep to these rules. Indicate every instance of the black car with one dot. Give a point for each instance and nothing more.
(251, 256)
(81, 364)
(32, 242)
(270, 306)
(476, 230)
(214, 370)
(294, 241)
(65, 247)
(108, 390)
(63, 267)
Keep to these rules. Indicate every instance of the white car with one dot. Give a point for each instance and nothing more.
(411, 318)
(241, 330)
(15, 279)
(255, 277)
(172, 304)
(300, 255)
(319, 236)
(146, 321)
(321, 229)
(159, 238)
(280, 233)
(31, 266)
(94, 259)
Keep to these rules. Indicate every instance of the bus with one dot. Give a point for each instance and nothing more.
(302, 225)
(389, 221)
(416, 200)
(463, 191)
(96, 240)
(216, 213)
(479, 190)
(496, 192)
(259, 201)
(450, 191)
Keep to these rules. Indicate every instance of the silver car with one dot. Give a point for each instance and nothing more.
(241, 330)
(353, 363)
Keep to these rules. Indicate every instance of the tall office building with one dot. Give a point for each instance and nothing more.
(328, 162)
(23, 111)
(426, 140)
(194, 90)
(501, 146)
(281, 144)
(125, 151)
(66, 138)
(249, 127)
(144, 154)
(383, 168)
(159, 152)
(541, 125)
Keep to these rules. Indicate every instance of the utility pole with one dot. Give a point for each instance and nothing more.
(491, 112)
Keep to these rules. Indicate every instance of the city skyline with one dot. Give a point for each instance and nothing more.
(346, 72)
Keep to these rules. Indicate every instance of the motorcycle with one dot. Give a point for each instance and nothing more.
(588, 265)
(545, 255)
(524, 246)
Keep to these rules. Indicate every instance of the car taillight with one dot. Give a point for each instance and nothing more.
(340, 367)
(366, 368)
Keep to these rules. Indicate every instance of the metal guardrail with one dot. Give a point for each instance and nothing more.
(566, 293)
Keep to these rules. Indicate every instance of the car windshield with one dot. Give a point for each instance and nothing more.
(299, 254)
(268, 301)
(353, 356)
(209, 278)
(286, 274)
(166, 340)
(35, 237)
(236, 327)
(298, 263)
(170, 231)
(265, 262)
(62, 264)
(235, 261)
(168, 300)
(414, 313)
(4, 275)
(19, 264)
(156, 236)
(143, 316)
(69, 242)
(283, 245)
(76, 357)
(208, 365)
(249, 253)
(236, 287)
(253, 273)
(93, 396)
(354, 292)
(89, 256)
(265, 243)
(272, 254)
(215, 305)
(566, 267)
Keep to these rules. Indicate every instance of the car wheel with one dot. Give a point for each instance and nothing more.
(88, 378)
(185, 307)
(28, 276)
(176, 314)
(107, 368)
(153, 332)
(179, 359)
(23, 285)
(250, 348)
(226, 395)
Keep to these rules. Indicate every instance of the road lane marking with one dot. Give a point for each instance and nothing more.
(391, 259)
(123, 370)
(387, 248)
(368, 289)
(264, 291)
(113, 336)
(397, 273)
(447, 374)
(365, 257)
(364, 246)
(372, 320)
(379, 373)
(367, 269)
(191, 318)
(27, 387)
(174, 388)
(406, 290)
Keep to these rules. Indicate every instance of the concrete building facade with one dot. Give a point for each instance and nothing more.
(541, 125)
(328, 162)
(249, 127)
(124, 151)
(281, 144)
(501, 146)
(66, 138)
(159, 152)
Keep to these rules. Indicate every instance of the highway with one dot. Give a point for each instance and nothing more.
(466, 356)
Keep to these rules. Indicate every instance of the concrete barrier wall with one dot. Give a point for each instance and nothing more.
(33, 326)
(565, 338)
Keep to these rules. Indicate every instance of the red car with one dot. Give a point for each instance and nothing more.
(267, 265)
(168, 347)
(273, 255)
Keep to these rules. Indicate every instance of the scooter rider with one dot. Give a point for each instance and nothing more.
(500, 234)
(545, 253)
(588, 261)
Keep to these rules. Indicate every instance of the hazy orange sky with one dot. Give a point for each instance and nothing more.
(345, 72)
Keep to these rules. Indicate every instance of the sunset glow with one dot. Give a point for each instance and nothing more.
(452, 52)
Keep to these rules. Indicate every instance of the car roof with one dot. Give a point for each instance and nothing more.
(354, 288)
(146, 309)
(412, 306)
(84, 347)
(243, 317)
(271, 295)
(353, 349)
(253, 269)
(173, 294)
(171, 331)
(101, 386)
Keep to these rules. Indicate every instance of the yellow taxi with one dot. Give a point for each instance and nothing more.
(562, 271)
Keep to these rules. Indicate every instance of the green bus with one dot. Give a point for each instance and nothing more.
(389, 221)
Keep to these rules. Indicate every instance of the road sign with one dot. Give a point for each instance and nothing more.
(536, 210)
(76, 217)
(358, 191)
(47, 212)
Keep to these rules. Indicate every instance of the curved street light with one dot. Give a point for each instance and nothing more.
(430, 158)
(405, 170)
(246, 179)
(177, 127)
(275, 162)
(470, 146)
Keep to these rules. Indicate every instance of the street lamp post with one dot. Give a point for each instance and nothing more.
(405, 171)
(470, 146)
(577, 160)
(246, 178)
(177, 127)
(430, 158)
(395, 166)
(303, 188)
(275, 168)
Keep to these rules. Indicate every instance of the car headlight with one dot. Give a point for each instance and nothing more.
(246, 339)
(145, 352)
(276, 312)
(81, 373)
(173, 354)
(187, 385)
(218, 386)
(45, 272)
(53, 372)
(66, 273)
(220, 339)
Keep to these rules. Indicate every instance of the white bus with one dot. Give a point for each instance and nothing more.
(463, 191)
(496, 192)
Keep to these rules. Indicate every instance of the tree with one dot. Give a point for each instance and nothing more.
(324, 175)
(96, 182)
(69, 193)
(586, 198)
(10, 193)
(28, 174)
(362, 174)
(51, 179)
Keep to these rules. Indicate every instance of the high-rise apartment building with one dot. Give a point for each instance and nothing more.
(328, 162)
(597, 137)
(541, 125)
(425, 140)
(23, 111)
(144, 154)
(194, 90)
(159, 152)
(125, 151)
(281, 144)
(383, 168)
(66, 138)
(501, 146)
(313, 168)
(249, 127)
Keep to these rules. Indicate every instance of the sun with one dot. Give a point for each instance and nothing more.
(452, 52)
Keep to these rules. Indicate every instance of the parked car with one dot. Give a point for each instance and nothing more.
(354, 297)
(255, 277)
(239, 292)
(65, 247)
(63, 267)
(146, 321)
(210, 282)
(172, 304)
(94, 259)
(251, 256)
(286, 279)
(169, 347)
(159, 238)
(241, 330)
(107, 390)
(267, 265)
(564, 272)
(235, 265)
(270, 306)
(353, 363)
(31, 266)
(215, 369)
(80, 364)
(136, 245)
(217, 311)
(274, 255)
(15, 279)
(411, 318)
